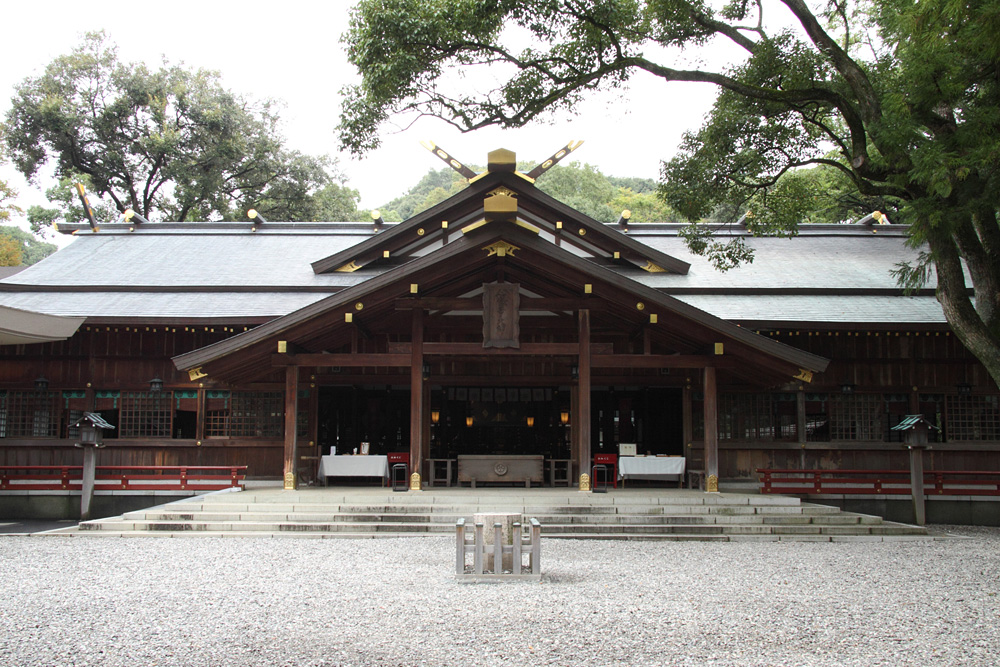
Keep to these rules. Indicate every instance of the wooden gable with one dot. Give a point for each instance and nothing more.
(647, 329)
(499, 196)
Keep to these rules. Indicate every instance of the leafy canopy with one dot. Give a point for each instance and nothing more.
(169, 143)
(19, 248)
(899, 97)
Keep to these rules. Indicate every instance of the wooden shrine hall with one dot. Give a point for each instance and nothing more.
(499, 336)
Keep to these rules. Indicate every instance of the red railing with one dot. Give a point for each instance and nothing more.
(122, 478)
(878, 482)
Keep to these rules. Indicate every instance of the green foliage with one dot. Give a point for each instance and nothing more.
(68, 207)
(10, 251)
(168, 143)
(7, 193)
(434, 187)
(583, 187)
(30, 248)
(336, 203)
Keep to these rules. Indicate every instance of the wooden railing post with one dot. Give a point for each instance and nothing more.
(460, 547)
(515, 559)
(536, 547)
(477, 555)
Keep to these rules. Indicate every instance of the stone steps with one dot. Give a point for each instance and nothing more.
(643, 515)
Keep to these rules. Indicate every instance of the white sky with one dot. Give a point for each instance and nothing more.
(290, 51)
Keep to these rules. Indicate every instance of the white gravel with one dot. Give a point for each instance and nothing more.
(248, 602)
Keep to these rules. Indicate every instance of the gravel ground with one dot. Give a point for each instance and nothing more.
(249, 602)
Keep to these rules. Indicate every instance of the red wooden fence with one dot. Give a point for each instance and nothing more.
(123, 478)
(878, 482)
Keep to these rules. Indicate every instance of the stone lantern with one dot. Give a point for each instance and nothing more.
(92, 427)
(916, 430)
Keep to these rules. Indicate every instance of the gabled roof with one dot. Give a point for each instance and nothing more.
(500, 196)
(519, 255)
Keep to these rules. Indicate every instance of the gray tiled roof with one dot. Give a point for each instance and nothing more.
(783, 309)
(840, 274)
(164, 305)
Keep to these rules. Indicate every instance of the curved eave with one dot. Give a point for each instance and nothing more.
(25, 327)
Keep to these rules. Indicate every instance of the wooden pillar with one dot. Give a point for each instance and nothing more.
(291, 424)
(89, 477)
(199, 428)
(800, 426)
(583, 398)
(417, 394)
(711, 431)
(687, 420)
(917, 483)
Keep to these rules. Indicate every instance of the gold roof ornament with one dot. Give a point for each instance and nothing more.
(500, 249)
(554, 159)
(502, 190)
(804, 375)
(448, 159)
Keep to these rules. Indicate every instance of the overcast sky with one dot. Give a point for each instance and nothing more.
(290, 50)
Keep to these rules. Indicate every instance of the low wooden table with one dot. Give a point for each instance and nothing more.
(354, 466)
(499, 468)
(668, 468)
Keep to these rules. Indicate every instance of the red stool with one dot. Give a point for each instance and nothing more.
(610, 460)
(400, 457)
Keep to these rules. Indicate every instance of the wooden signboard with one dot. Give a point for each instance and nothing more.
(501, 327)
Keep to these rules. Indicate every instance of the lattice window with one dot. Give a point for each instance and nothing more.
(857, 417)
(746, 417)
(973, 418)
(30, 414)
(817, 418)
(145, 414)
(245, 414)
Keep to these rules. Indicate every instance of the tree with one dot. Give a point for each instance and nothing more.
(168, 143)
(29, 249)
(10, 251)
(906, 94)
(7, 193)
(583, 187)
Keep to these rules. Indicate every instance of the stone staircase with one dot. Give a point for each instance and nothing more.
(644, 514)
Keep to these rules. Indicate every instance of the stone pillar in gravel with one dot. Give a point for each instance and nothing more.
(507, 521)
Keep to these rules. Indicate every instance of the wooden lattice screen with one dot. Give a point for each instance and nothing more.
(857, 417)
(29, 414)
(973, 418)
(146, 414)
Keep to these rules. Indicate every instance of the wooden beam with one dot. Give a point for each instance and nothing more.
(372, 359)
(659, 361)
(476, 304)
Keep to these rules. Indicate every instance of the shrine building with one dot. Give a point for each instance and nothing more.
(498, 331)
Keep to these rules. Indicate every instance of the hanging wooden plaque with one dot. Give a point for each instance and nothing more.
(501, 327)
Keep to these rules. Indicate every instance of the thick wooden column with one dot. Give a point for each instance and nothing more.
(711, 431)
(417, 392)
(583, 399)
(291, 424)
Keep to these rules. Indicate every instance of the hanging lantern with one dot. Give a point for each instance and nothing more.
(564, 418)
(468, 422)
(435, 416)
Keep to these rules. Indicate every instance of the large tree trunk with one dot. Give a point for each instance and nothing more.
(952, 293)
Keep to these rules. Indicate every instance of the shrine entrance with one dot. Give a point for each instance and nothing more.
(500, 423)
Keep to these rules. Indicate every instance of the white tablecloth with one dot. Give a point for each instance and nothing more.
(651, 467)
(354, 466)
